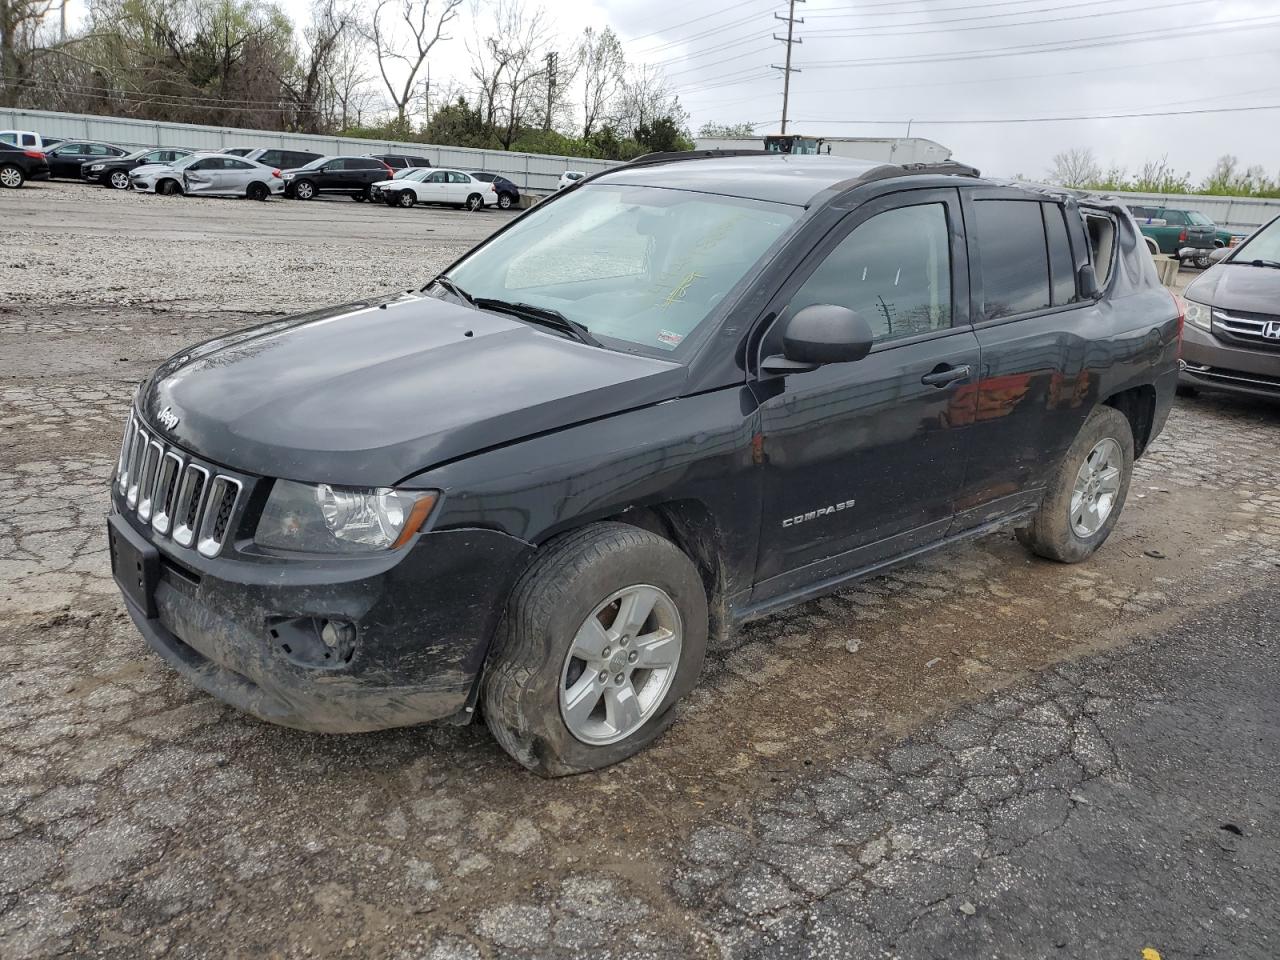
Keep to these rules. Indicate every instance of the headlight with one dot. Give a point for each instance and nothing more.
(322, 518)
(1199, 315)
(96, 166)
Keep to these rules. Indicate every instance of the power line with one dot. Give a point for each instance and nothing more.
(1055, 46)
(1012, 120)
(685, 23)
(893, 32)
(867, 9)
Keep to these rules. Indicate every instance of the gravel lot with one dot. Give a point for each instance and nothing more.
(977, 755)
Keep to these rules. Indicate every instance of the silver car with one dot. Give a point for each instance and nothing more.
(209, 174)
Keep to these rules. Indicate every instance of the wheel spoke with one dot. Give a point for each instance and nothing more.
(634, 610)
(622, 707)
(657, 650)
(580, 700)
(590, 641)
(1109, 480)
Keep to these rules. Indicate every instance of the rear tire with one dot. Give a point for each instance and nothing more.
(505, 202)
(257, 191)
(1063, 529)
(12, 176)
(552, 615)
(475, 202)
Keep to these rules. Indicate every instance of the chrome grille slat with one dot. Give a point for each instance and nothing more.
(191, 495)
(192, 504)
(224, 492)
(166, 491)
(140, 441)
(147, 479)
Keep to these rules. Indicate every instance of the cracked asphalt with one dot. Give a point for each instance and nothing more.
(977, 755)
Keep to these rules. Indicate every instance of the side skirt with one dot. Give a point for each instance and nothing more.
(831, 584)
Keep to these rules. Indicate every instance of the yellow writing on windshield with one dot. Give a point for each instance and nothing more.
(678, 292)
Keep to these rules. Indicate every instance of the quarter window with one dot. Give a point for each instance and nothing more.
(1061, 266)
(894, 270)
(1015, 260)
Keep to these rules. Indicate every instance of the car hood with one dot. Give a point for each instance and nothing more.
(1238, 286)
(369, 394)
(388, 183)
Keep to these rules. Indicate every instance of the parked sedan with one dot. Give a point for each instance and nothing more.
(353, 176)
(115, 172)
(210, 174)
(508, 192)
(1231, 340)
(20, 164)
(66, 159)
(436, 186)
(569, 178)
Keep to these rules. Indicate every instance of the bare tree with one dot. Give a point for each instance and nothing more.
(425, 31)
(603, 65)
(1075, 168)
(644, 97)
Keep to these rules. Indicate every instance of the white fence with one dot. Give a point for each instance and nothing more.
(1242, 214)
(531, 172)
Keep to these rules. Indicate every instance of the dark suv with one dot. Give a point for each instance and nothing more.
(350, 175)
(688, 391)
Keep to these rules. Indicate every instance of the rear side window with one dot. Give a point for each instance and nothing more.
(1015, 260)
(1062, 270)
(1101, 230)
(894, 270)
(362, 164)
(418, 161)
(1175, 218)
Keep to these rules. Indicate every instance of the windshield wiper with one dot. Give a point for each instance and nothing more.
(1258, 262)
(453, 288)
(545, 316)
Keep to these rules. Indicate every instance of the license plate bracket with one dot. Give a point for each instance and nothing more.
(135, 564)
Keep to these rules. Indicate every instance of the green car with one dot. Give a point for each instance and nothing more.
(1185, 234)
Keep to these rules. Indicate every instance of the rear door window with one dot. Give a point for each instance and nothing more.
(1014, 257)
(1061, 266)
(1175, 218)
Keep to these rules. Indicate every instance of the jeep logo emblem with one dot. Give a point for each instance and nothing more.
(167, 418)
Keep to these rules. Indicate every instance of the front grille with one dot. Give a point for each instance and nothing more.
(179, 497)
(1248, 328)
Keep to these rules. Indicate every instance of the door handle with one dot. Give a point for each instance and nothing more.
(944, 374)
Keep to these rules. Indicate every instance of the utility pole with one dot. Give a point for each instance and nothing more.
(62, 35)
(790, 39)
(553, 64)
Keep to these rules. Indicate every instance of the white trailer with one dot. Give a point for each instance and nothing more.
(883, 149)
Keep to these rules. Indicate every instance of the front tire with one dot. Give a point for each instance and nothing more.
(11, 176)
(168, 188)
(406, 199)
(1084, 498)
(602, 636)
(118, 180)
(304, 189)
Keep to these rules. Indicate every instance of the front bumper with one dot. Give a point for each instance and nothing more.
(245, 627)
(1210, 363)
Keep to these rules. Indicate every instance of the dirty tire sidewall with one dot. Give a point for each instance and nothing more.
(564, 584)
(1050, 534)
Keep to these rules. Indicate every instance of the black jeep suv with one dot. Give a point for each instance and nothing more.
(350, 175)
(682, 393)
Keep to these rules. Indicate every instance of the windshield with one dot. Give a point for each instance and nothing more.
(413, 173)
(644, 265)
(317, 162)
(1199, 219)
(1263, 245)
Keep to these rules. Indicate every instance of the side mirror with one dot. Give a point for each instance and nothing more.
(1088, 282)
(820, 334)
(1220, 254)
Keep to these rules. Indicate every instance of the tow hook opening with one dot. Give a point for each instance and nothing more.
(316, 643)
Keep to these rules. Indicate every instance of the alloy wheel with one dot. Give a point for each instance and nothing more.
(305, 190)
(119, 179)
(11, 177)
(620, 665)
(1097, 483)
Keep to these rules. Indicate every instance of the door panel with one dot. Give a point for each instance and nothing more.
(863, 460)
(1035, 388)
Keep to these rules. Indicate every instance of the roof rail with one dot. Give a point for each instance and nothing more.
(888, 170)
(670, 156)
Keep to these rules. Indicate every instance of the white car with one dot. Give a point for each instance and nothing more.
(434, 185)
(209, 174)
(569, 178)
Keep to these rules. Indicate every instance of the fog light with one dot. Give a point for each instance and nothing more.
(337, 635)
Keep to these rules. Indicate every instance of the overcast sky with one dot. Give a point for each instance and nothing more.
(1144, 56)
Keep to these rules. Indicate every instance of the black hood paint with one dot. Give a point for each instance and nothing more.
(1238, 286)
(369, 394)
